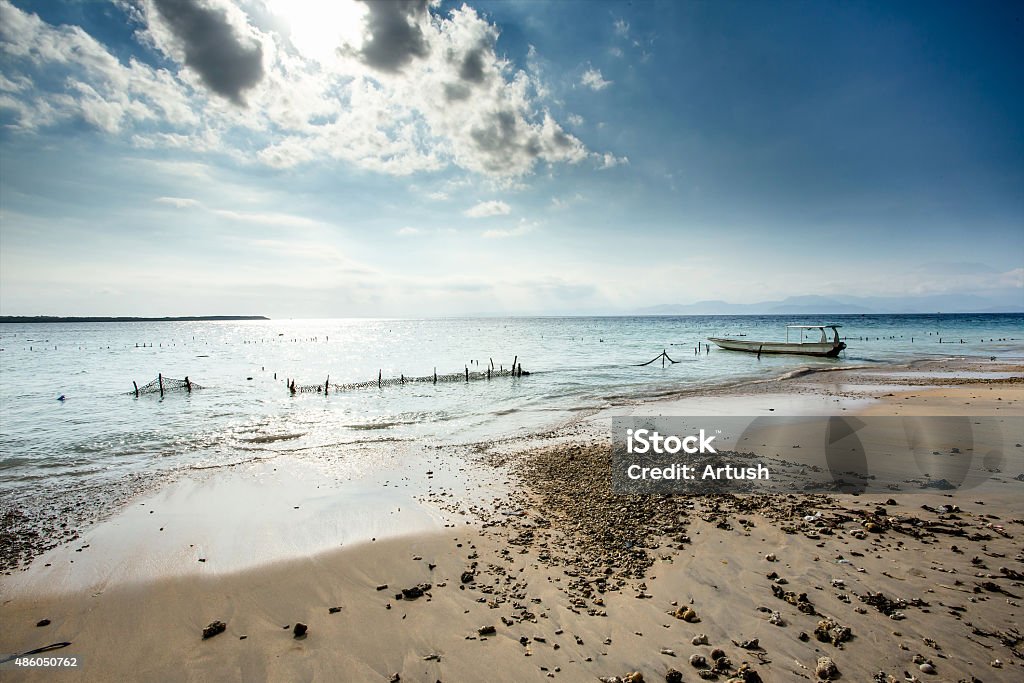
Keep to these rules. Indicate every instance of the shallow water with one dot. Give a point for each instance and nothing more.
(102, 433)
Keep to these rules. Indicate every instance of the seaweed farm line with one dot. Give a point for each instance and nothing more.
(401, 380)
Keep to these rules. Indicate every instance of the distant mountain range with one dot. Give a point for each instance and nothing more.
(821, 305)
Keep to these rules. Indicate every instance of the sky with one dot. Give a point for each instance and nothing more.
(294, 158)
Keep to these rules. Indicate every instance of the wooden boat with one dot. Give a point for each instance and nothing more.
(823, 347)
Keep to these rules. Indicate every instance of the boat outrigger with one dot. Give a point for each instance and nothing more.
(823, 347)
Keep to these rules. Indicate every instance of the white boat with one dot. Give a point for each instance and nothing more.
(823, 347)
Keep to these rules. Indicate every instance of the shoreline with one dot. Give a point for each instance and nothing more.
(536, 561)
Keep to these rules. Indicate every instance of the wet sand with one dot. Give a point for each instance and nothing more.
(578, 583)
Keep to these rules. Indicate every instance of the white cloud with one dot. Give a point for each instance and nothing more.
(566, 202)
(606, 161)
(267, 218)
(490, 208)
(178, 202)
(303, 91)
(524, 228)
(575, 119)
(408, 232)
(438, 196)
(593, 79)
(94, 85)
(621, 27)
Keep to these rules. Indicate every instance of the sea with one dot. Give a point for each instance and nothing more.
(69, 418)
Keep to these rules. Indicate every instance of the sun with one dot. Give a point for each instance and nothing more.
(317, 29)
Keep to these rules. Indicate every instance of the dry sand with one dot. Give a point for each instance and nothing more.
(577, 583)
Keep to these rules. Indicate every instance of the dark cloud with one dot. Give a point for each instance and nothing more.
(395, 35)
(472, 68)
(455, 92)
(228, 64)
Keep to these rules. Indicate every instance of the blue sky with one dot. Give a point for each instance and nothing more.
(305, 159)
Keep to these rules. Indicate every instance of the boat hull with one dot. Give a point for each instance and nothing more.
(827, 350)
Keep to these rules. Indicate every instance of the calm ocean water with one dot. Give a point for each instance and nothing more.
(101, 434)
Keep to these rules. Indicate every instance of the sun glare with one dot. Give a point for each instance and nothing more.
(317, 28)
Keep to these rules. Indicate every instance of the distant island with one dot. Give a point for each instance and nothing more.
(106, 319)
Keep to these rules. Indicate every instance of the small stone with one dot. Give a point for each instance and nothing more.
(42, 622)
(633, 677)
(687, 614)
(698, 662)
(751, 644)
(214, 628)
(771, 557)
(667, 651)
(382, 587)
(803, 637)
(927, 668)
(486, 631)
(467, 577)
(826, 669)
(831, 631)
(300, 630)
(395, 678)
(700, 639)
(333, 610)
(717, 654)
(410, 593)
(673, 676)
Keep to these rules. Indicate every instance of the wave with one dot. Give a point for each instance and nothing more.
(271, 438)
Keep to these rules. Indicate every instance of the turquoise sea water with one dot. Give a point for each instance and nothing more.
(101, 434)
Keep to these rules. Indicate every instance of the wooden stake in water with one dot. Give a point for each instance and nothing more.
(135, 384)
(160, 378)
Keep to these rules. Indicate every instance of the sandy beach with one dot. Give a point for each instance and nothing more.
(513, 560)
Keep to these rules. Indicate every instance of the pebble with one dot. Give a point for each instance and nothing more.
(687, 614)
(771, 557)
(700, 639)
(667, 651)
(486, 631)
(214, 628)
(42, 622)
(698, 661)
(831, 631)
(300, 630)
(673, 676)
(927, 668)
(826, 669)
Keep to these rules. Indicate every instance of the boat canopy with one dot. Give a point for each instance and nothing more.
(824, 336)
